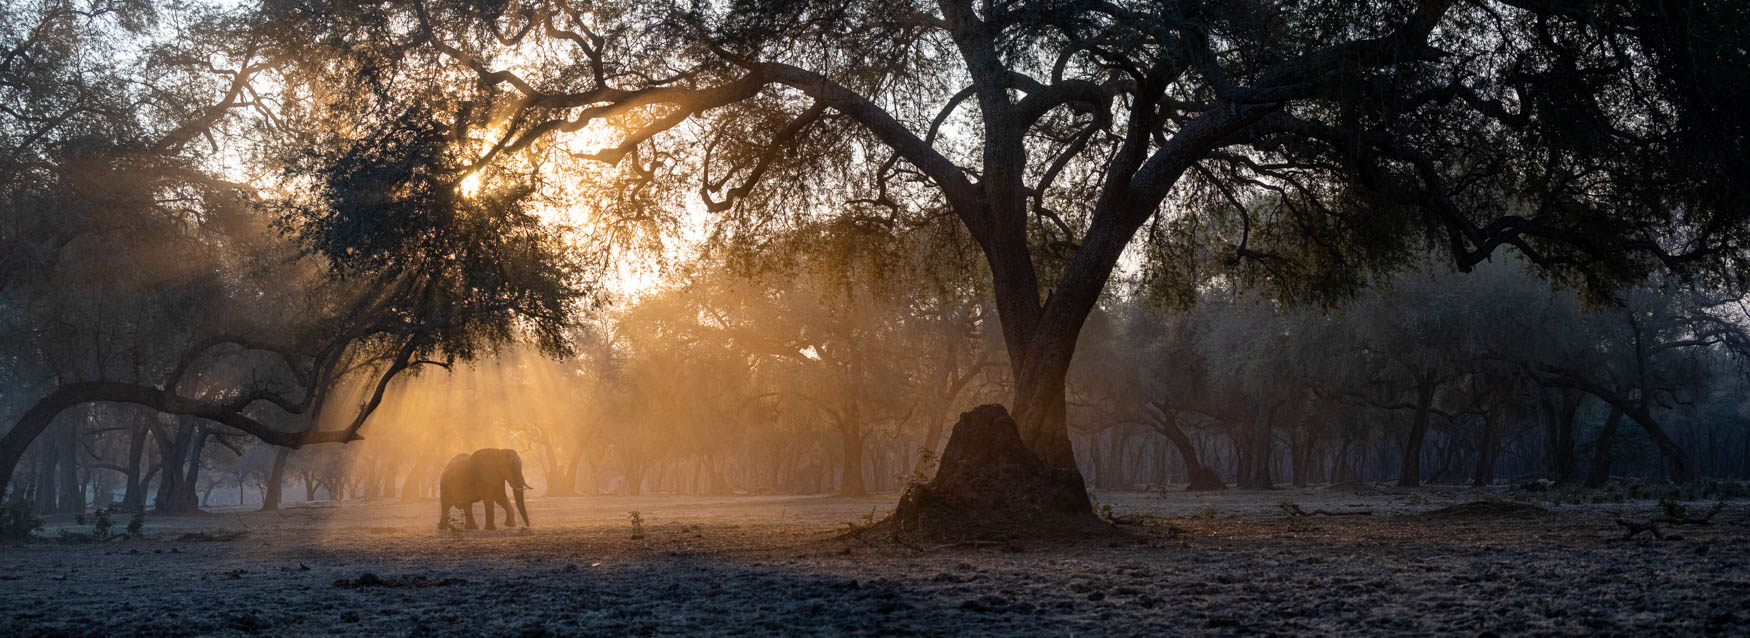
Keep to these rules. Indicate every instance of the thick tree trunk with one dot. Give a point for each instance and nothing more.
(134, 499)
(1411, 472)
(172, 450)
(183, 497)
(276, 479)
(1599, 472)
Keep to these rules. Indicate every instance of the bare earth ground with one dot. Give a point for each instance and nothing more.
(777, 565)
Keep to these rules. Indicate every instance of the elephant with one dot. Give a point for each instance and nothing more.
(481, 476)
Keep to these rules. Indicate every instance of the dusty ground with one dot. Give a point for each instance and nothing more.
(1227, 563)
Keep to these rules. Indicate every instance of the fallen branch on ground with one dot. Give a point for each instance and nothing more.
(1294, 510)
(1674, 515)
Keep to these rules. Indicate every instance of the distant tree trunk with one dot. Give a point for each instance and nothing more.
(1254, 453)
(562, 480)
(413, 487)
(1599, 472)
(43, 486)
(634, 475)
(72, 497)
(851, 480)
(1567, 467)
(1304, 454)
(714, 473)
(1411, 469)
(951, 384)
(1675, 457)
(276, 478)
(1202, 478)
(1487, 453)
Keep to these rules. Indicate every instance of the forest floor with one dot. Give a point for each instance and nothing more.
(1223, 563)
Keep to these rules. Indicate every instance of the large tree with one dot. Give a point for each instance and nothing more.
(1305, 145)
(136, 274)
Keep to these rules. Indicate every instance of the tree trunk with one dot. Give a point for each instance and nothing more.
(1567, 468)
(1487, 453)
(1411, 472)
(1599, 472)
(1255, 450)
(563, 480)
(851, 480)
(134, 499)
(413, 487)
(44, 485)
(275, 480)
(182, 498)
(1681, 470)
(1202, 478)
(72, 496)
(634, 478)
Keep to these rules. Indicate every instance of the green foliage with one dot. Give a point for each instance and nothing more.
(473, 269)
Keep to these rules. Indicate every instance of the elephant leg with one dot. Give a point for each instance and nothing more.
(487, 501)
(444, 515)
(504, 502)
(468, 513)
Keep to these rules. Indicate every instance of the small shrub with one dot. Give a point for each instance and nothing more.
(101, 524)
(1101, 510)
(1287, 507)
(1209, 512)
(137, 525)
(17, 522)
(927, 459)
(637, 524)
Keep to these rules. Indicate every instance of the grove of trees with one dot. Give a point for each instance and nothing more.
(1200, 243)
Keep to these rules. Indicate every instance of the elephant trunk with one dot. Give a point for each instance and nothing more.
(521, 508)
(519, 485)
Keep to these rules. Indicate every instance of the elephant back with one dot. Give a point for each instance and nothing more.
(458, 482)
